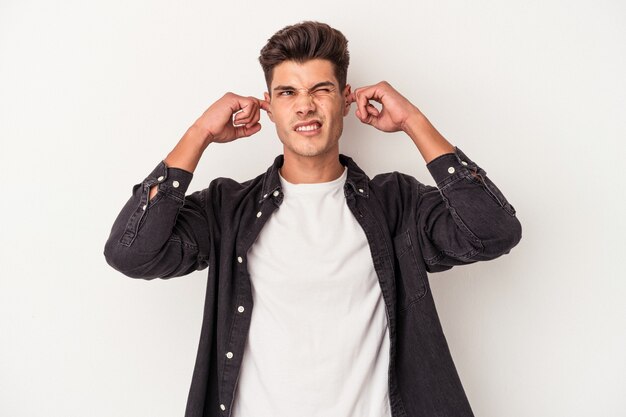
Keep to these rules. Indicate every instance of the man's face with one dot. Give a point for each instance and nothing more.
(307, 107)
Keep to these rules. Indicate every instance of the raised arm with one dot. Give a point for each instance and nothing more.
(466, 218)
(399, 114)
(160, 232)
(231, 117)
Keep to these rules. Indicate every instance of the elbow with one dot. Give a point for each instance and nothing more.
(505, 237)
(122, 259)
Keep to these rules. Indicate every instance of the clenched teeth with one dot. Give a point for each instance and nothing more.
(308, 128)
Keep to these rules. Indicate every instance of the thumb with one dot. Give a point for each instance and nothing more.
(369, 118)
(243, 131)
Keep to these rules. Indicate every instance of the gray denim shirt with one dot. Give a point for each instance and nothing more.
(411, 228)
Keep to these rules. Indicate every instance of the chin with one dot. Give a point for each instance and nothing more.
(308, 152)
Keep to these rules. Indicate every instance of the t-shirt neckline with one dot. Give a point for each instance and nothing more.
(314, 187)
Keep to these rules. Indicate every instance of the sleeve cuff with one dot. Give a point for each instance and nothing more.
(173, 181)
(448, 166)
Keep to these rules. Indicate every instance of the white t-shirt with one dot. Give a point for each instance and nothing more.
(318, 344)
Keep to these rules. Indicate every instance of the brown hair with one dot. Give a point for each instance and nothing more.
(305, 41)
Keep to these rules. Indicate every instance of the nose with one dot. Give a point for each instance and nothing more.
(305, 103)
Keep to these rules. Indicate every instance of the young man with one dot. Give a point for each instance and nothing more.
(333, 262)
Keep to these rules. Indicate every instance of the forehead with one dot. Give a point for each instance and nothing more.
(303, 74)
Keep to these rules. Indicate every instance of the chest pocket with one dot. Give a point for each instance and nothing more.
(410, 273)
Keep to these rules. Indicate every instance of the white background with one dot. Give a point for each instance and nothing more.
(94, 94)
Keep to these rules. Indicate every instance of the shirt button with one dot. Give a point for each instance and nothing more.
(175, 184)
(229, 355)
(361, 190)
(144, 206)
(240, 259)
(451, 170)
(275, 193)
(240, 309)
(464, 163)
(258, 214)
(161, 178)
(265, 195)
(222, 407)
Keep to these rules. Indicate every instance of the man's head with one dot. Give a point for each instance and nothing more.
(303, 42)
(305, 69)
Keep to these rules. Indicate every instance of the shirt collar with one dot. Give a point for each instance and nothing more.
(357, 180)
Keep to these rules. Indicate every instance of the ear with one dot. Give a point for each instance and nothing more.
(346, 100)
(267, 98)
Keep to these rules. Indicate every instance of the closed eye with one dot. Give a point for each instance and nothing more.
(322, 91)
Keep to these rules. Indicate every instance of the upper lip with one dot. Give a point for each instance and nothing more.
(307, 123)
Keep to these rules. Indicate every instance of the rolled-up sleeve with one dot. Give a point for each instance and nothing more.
(465, 218)
(162, 237)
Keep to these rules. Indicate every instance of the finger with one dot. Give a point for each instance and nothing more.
(239, 121)
(243, 131)
(371, 109)
(265, 105)
(363, 95)
(236, 103)
(237, 117)
(248, 107)
(371, 92)
(367, 113)
(351, 98)
(246, 114)
(360, 100)
(255, 118)
(242, 120)
(365, 117)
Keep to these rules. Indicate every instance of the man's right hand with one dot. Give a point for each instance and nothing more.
(231, 117)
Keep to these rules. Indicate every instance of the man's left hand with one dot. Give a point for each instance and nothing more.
(395, 112)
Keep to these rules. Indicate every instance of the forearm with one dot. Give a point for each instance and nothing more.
(187, 152)
(466, 217)
(428, 140)
(164, 237)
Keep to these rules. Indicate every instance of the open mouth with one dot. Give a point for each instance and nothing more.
(308, 127)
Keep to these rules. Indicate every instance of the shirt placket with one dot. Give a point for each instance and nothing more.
(384, 272)
(243, 306)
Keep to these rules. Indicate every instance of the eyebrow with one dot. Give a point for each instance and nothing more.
(318, 85)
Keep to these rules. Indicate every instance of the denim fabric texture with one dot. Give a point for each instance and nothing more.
(412, 229)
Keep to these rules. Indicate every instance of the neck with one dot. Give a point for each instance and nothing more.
(299, 169)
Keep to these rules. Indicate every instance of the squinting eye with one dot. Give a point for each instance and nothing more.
(286, 93)
(322, 92)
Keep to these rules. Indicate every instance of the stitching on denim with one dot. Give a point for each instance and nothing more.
(434, 260)
(132, 226)
(468, 256)
(177, 239)
(453, 179)
(413, 256)
(480, 179)
(390, 317)
(176, 195)
(413, 302)
(410, 249)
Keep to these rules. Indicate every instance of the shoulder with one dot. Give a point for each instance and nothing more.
(395, 181)
(229, 188)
